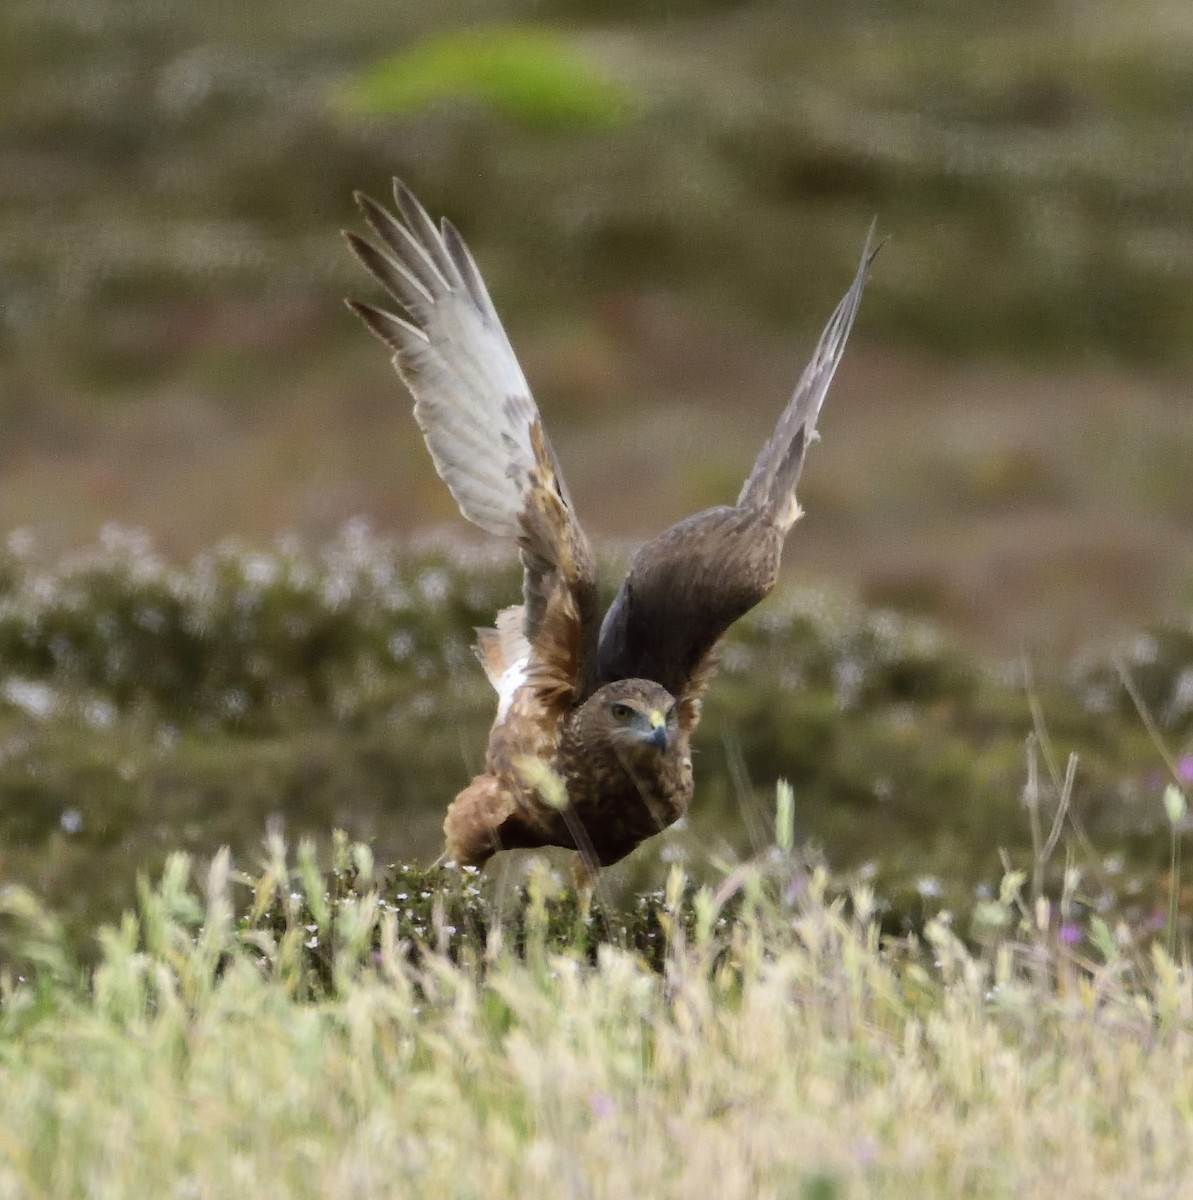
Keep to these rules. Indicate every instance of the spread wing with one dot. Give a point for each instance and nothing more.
(686, 587)
(486, 438)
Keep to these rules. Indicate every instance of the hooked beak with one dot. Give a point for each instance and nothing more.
(658, 732)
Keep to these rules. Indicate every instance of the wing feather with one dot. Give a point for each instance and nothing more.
(688, 585)
(393, 331)
(771, 483)
(468, 270)
(397, 279)
(425, 234)
(482, 427)
(400, 240)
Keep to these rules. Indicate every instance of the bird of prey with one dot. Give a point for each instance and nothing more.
(590, 746)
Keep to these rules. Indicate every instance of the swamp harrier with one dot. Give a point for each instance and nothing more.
(590, 746)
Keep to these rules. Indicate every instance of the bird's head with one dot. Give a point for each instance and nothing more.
(635, 715)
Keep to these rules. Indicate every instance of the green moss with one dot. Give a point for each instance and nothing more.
(532, 76)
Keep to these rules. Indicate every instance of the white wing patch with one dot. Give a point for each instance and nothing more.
(508, 683)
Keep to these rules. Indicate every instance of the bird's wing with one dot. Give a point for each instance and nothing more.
(687, 586)
(482, 426)
(771, 484)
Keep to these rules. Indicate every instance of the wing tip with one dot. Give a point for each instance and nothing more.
(370, 208)
(386, 326)
(368, 256)
(776, 470)
(403, 195)
(359, 247)
(872, 246)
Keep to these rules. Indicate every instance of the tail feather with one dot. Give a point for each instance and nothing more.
(771, 484)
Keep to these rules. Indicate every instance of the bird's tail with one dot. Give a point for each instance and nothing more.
(771, 485)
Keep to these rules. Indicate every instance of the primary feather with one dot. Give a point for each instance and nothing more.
(470, 396)
(481, 424)
(771, 483)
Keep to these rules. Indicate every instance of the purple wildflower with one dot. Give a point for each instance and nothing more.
(1184, 769)
(1069, 933)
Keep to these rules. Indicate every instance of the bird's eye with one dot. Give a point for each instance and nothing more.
(669, 716)
(621, 712)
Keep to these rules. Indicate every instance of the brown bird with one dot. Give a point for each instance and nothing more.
(590, 746)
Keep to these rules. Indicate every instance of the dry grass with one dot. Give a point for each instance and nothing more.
(786, 1052)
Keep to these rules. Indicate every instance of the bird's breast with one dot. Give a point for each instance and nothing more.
(620, 801)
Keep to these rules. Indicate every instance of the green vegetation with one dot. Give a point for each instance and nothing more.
(270, 1036)
(526, 74)
(951, 961)
(1027, 166)
(148, 707)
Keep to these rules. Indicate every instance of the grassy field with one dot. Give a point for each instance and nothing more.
(972, 979)
(982, 991)
(147, 707)
(255, 1035)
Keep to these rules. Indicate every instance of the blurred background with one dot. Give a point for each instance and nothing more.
(667, 198)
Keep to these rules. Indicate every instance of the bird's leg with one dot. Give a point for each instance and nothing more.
(585, 871)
